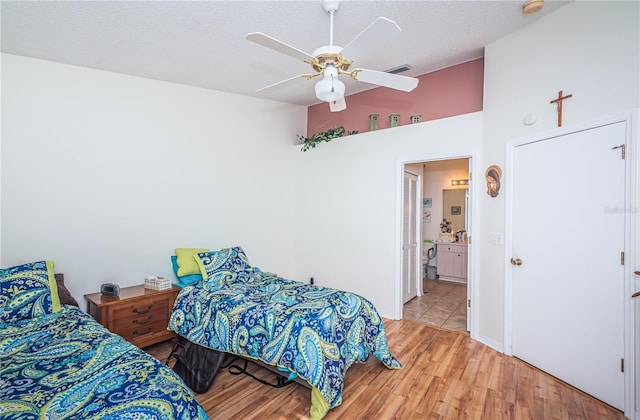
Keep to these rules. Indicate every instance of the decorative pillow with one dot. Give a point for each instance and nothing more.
(63, 292)
(186, 261)
(184, 280)
(219, 279)
(227, 259)
(224, 278)
(28, 291)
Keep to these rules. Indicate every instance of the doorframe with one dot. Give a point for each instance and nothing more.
(417, 219)
(632, 234)
(474, 192)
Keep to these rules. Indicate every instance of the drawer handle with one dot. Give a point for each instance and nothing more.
(136, 332)
(137, 311)
(144, 321)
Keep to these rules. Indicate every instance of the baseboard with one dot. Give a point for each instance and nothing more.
(385, 314)
(489, 342)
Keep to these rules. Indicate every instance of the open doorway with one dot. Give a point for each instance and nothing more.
(443, 246)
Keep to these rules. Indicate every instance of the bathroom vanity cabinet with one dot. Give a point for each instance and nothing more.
(452, 262)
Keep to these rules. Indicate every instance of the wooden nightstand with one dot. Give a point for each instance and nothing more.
(139, 315)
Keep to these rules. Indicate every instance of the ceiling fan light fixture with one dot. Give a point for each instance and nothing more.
(330, 88)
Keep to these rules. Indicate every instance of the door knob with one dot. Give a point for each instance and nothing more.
(516, 261)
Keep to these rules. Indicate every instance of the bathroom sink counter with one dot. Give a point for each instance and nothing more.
(452, 261)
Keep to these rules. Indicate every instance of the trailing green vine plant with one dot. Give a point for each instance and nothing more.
(330, 134)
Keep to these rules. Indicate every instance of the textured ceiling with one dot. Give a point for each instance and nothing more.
(202, 43)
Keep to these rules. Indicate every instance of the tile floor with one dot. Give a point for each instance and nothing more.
(443, 304)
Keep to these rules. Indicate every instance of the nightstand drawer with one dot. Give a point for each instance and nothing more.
(139, 315)
(131, 322)
(131, 329)
(139, 309)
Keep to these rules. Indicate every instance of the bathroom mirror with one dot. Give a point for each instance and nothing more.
(454, 208)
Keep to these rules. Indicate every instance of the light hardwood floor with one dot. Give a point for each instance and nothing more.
(446, 375)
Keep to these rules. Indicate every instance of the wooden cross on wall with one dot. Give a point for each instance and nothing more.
(559, 102)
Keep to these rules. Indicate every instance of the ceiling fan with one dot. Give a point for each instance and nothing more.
(330, 61)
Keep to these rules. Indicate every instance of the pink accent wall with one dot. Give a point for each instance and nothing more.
(444, 93)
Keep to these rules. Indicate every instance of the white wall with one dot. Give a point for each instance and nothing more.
(1, 102)
(348, 203)
(588, 49)
(106, 174)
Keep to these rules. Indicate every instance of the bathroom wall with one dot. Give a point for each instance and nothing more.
(454, 208)
(437, 176)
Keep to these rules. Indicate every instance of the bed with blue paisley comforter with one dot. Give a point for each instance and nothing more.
(66, 365)
(313, 332)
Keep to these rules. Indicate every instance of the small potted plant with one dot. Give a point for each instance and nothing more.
(328, 135)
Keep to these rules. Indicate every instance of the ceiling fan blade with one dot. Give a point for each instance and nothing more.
(274, 44)
(371, 38)
(339, 105)
(306, 76)
(393, 81)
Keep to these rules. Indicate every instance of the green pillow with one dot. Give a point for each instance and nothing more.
(187, 264)
(28, 291)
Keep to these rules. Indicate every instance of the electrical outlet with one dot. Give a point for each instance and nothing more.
(496, 238)
(311, 281)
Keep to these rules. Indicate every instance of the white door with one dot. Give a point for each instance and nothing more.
(409, 241)
(568, 235)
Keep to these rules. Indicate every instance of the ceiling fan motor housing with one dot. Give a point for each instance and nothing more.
(329, 54)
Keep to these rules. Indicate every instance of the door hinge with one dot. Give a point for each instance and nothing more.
(468, 303)
(623, 150)
(622, 258)
(622, 365)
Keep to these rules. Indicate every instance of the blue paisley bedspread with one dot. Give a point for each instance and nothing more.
(314, 332)
(66, 365)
